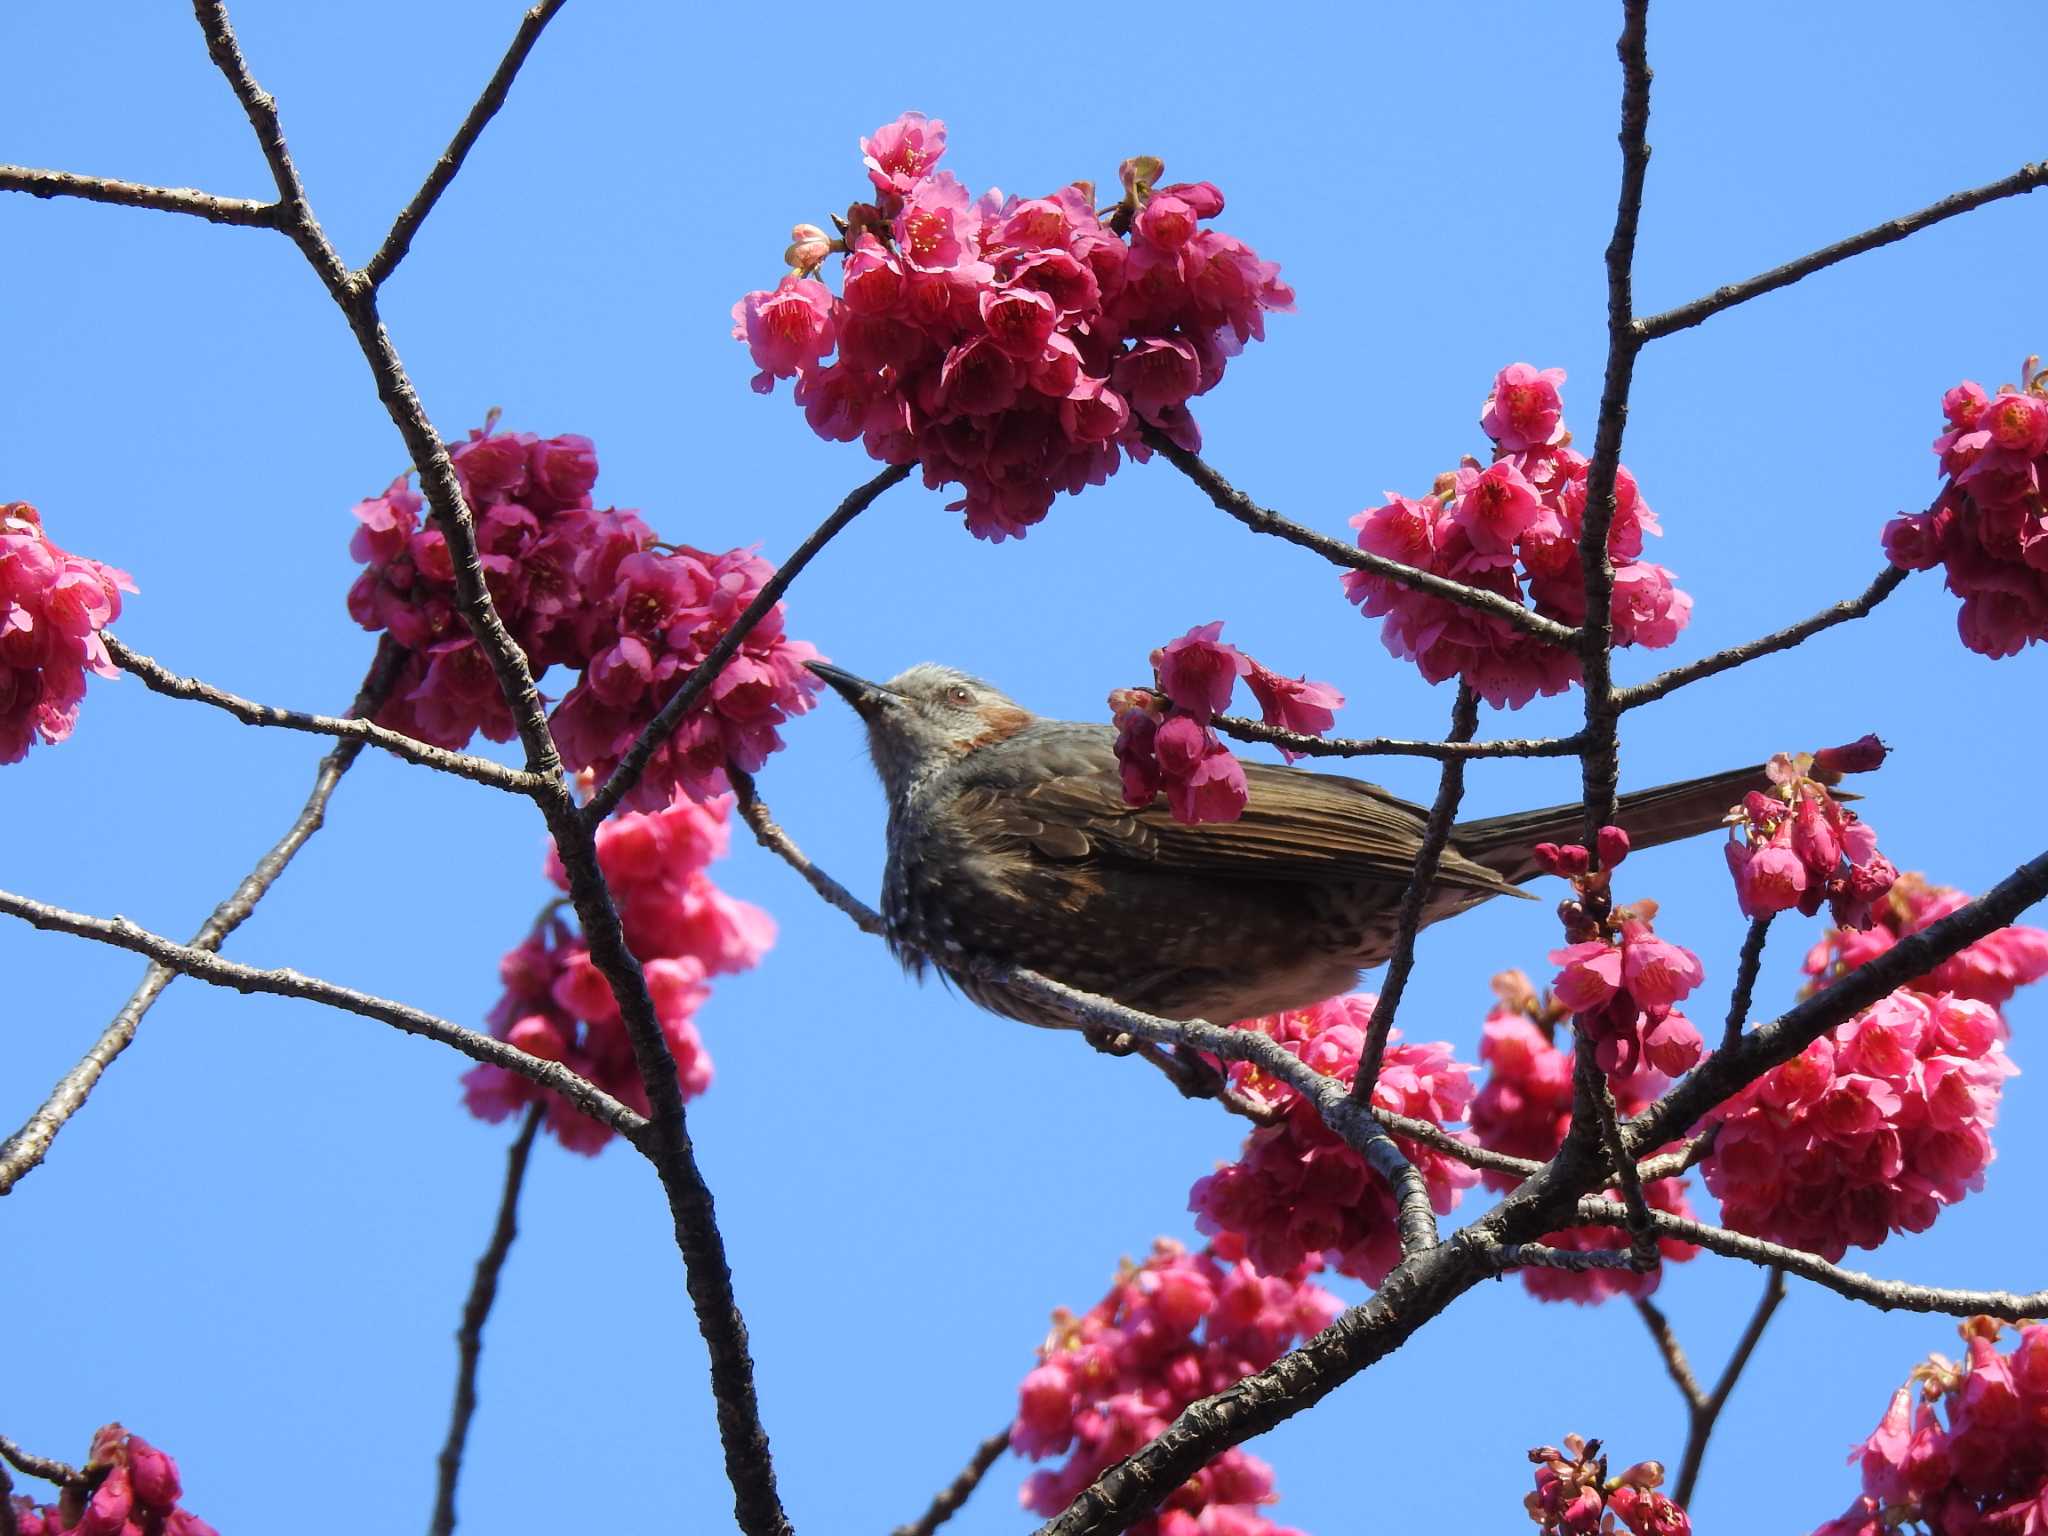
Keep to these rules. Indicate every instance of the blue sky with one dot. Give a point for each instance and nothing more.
(253, 1244)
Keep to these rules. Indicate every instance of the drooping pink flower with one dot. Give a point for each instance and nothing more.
(787, 330)
(1199, 671)
(53, 605)
(1294, 703)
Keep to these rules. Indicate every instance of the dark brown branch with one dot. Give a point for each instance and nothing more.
(9, 1525)
(1436, 835)
(956, 1493)
(27, 1147)
(1746, 967)
(1727, 1072)
(1600, 758)
(205, 966)
(2026, 179)
(1887, 582)
(1707, 1411)
(778, 842)
(1260, 520)
(1675, 1363)
(469, 1339)
(1593, 1089)
(665, 1140)
(1885, 1295)
(606, 799)
(161, 679)
(133, 194)
(399, 241)
(48, 1468)
(1541, 1256)
(1393, 746)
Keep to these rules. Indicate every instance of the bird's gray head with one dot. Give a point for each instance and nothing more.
(925, 720)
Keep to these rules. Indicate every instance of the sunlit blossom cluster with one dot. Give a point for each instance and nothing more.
(1574, 1496)
(136, 1494)
(1015, 347)
(1512, 527)
(53, 605)
(1297, 1192)
(1800, 847)
(582, 587)
(680, 926)
(1172, 1330)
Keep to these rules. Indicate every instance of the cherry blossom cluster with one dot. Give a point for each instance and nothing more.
(1574, 1496)
(1978, 1466)
(1876, 1126)
(682, 928)
(1297, 1191)
(1015, 347)
(581, 587)
(1799, 846)
(1164, 739)
(1512, 527)
(1177, 1328)
(1524, 1109)
(1989, 526)
(1621, 982)
(136, 1494)
(53, 605)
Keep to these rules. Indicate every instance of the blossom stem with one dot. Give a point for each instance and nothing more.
(469, 1339)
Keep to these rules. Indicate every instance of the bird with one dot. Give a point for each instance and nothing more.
(1010, 845)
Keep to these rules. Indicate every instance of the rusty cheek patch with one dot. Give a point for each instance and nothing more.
(1002, 721)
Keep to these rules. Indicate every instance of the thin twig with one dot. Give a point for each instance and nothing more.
(956, 1493)
(161, 679)
(469, 1339)
(754, 811)
(1261, 520)
(202, 965)
(406, 225)
(27, 1147)
(1747, 964)
(1706, 1412)
(1642, 1240)
(1675, 1364)
(1885, 1295)
(2026, 179)
(48, 1468)
(1436, 836)
(134, 194)
(1884, 586)
(635, 758)
(1392, 746)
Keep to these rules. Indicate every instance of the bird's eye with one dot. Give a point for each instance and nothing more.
(960, 694)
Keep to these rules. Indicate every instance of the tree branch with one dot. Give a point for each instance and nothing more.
(1887, 582)
(205, 966)
(2025, 179)
(161, 679)
(1885, 1295)
(956, 1493)
(1392, 746)
(606, 799)
(1706, 1411)
(1260, 520)
(134, 194)
(1436, 835)
(469, 1339)
(754, 811)
(48, 1468)
(381, 265)
(1642, 1238)
(1675, 1364)
(1746, 967)
(27, 1147)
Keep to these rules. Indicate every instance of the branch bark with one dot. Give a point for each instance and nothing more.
(134, 194)
(956, 1493)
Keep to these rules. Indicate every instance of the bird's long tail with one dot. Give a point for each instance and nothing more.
(1505, 844)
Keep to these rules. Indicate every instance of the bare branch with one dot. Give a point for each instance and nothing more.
(134, 194)
(1541, 1256)
(1642, 1239)
(956, 1493)
(1708, 1410)
(662, 726)
(1393, 746)
(1675, 1364)
(1436, 835)
(1746, 967)
(210, 968)
(469, 1339)
(2025, 179)
(1260, 520)
(161, 679)
(48, 1468)
(778, 842)
(9, 1525)
(1885, 1295)
(1887, 582)
(27, 1147)
(399, 241)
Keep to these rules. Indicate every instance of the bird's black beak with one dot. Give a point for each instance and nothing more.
(867, 698)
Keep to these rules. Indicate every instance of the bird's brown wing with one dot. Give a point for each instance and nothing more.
(1297, 827)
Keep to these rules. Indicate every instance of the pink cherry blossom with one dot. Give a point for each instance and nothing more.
(135, 1492)
(1523, 410)
(53, 605)
(1198, 671)
(901, 154)
(788, 330)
